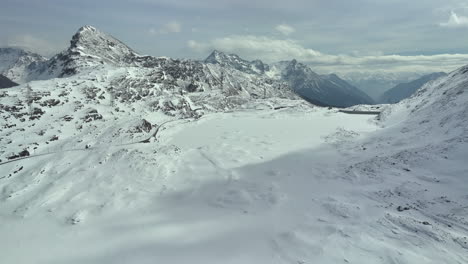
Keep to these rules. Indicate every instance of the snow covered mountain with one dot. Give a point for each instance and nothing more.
(137, 159)
(274, 181)
(16, 63)
(91, 48)
(6, 83)
(438, 109)
(234, 61)
(405, 90)
(325, 90)
(121, 73)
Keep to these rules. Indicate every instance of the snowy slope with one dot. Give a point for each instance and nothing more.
(405, 90)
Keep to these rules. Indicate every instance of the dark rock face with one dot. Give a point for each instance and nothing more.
(6, 83)
(22, 154)
(405, 90)
(142, 126)
(324, 90)
(92, 115)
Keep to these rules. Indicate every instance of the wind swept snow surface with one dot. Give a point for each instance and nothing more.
(258, 186)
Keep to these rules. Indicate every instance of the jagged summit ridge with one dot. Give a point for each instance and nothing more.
(89, 48)
(236, 62)
(92, 42)
(92, 50)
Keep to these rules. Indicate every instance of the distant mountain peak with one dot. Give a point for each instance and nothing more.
(217, 52)
(236, 62)
(92, 39)
(325, 90)
(214, 57)
(87, 28)
(219, 57)
(295, 67)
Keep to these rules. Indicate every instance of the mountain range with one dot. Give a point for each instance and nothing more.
(324, 90)
(375, 83)
(91, 49)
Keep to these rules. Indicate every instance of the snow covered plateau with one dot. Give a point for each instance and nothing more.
(107, 156)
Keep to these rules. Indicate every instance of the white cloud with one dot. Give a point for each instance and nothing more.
(197, 47)
(285, 29)
(456, 21)
(171, 27)
(272, 50)
(32, 43)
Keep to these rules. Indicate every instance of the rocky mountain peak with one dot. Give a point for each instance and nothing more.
(299, 69)
(89, 40)
(218, 57)
(236, 62)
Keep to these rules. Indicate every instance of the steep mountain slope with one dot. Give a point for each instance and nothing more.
(426, 144)
(405, 90)
(93, 50)
(323, 90)
(16, 64)
(438, 109)
(328, 90)
(89, 47)
(6, 83)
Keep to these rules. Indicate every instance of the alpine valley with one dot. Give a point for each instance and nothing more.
(110, 156)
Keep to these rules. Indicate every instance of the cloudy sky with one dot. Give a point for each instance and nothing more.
(330, 35)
